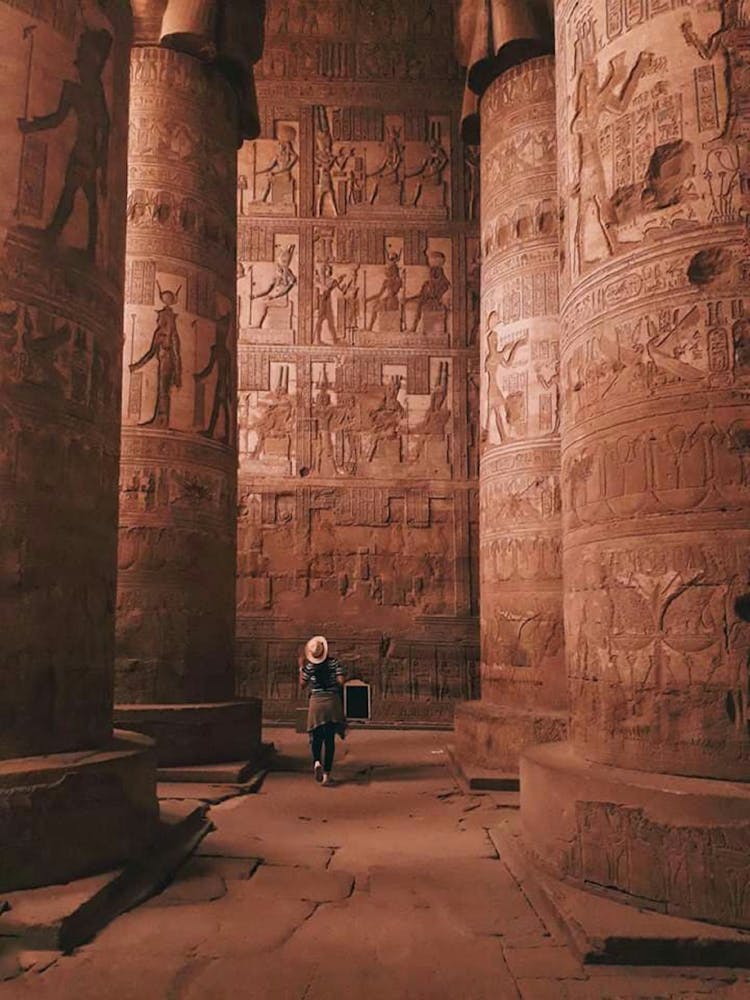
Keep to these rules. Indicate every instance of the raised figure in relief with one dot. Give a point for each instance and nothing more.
(388, 298)
(390, 173)
(323, 410)
(220, 358)
(88, 161)
(593, 100)
(276, 418)
(430, 296)
(732, 39)
(497, 358)
(165, 348)
(435, 420)
(430, 171)
(325, 286)
(281, 166)
(284, 280)
(386, 418)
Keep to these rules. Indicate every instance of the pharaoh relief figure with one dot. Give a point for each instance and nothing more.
(85, 100)
(595, 236)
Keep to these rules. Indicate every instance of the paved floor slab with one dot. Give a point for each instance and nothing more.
(384, 885)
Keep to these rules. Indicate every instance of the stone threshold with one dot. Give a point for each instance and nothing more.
(478, 779)
(61, 918)
(602, 931)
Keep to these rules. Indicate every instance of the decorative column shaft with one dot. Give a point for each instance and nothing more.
(175, 625)
(654, 125)
(523, 673)
(62, 195)
(177, 558)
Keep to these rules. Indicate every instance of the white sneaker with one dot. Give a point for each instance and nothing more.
(327, 779)
(318, 772)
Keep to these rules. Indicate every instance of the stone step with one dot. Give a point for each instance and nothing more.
(63, 917)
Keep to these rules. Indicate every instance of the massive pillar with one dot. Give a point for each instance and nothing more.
(522, 668)
(177, 556)
(73, 798)
(650, 798)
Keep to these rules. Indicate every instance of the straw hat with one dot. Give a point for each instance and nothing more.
(316, 649)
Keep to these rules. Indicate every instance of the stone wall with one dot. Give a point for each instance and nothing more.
(358, 281)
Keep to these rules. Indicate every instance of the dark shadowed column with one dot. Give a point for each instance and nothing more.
(177, 557)
(650, 798)
(73, 798)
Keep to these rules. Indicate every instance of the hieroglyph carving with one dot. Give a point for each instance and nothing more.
(653, 379)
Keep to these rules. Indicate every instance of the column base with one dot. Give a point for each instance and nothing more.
(212, 733)
(677, 845)
(492, 736)
(66, 816)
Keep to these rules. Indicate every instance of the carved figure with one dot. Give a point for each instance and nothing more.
(349, 287)
(435, 421)
(390, 173)
(593, 100)
(498, 407)
(471, 172)
(325, 286)
(276, 418)
(323, 410)
(282, 284)
(220, 358)
(431, 170)
(430, 296)
(165, 347)
(732, 39)
(88, 160)
(386, 418)
(388, 298)
(281, 166)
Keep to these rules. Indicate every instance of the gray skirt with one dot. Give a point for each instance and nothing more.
(324, 708)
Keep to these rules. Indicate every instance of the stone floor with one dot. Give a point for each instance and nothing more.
(385, 885)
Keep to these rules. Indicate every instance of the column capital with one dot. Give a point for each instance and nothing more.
(225, 33)
(492, 36)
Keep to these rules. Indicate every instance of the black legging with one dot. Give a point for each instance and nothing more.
(324, 734)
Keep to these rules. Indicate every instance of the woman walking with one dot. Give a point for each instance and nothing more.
(323, 676)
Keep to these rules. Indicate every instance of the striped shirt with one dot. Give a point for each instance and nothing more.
(322, 678)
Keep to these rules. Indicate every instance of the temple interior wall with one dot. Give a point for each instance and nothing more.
(358, 288)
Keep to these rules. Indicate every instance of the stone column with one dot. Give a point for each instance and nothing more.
(177, 556)
(73, 797)
(522, 669)
(655, 337)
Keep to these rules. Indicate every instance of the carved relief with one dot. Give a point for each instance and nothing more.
(356, 333)
(62, 191)
(655, 487)
(177, 506)
(520, 555)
